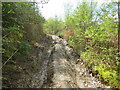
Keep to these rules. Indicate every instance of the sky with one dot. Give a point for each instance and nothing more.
(56, 7)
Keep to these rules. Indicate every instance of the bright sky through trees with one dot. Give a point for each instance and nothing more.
(56, 7)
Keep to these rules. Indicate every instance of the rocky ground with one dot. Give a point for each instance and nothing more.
(66, 70)
(53, 64)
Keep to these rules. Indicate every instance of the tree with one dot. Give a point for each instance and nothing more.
(17, 37)
(95, 38)
(53, 26)
(119, 26)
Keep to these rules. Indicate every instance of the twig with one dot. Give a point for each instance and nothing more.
(9, 58)
(7, 34)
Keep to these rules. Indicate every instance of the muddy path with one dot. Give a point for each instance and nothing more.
(63, 71)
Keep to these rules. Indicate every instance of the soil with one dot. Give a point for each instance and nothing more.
(67, 70)
(54, 64)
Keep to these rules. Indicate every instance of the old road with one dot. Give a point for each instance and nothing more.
(55, 67)
(62, 71)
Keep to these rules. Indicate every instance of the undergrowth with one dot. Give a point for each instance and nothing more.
(107, 68)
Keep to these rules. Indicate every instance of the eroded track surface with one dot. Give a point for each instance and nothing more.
(53, 65)
(63, 71)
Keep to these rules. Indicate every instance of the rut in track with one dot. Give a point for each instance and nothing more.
(62, 71)
(53, 65)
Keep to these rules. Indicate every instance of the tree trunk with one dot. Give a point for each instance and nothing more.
(119, 26)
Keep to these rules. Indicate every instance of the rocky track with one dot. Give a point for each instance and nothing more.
(54, 65)
(63, 71)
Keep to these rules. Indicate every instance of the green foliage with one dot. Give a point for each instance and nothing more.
(102, 50)
(81, 21)
(54, 26)
(109, 75)
(16, 18)
(95, 37)
(91, 31)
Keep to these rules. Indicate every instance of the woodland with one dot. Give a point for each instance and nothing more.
(92, 32)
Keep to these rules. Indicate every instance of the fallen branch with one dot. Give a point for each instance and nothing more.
(9, 58)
